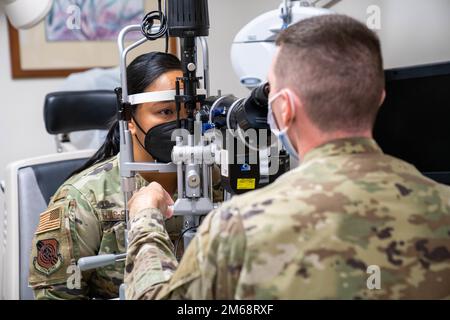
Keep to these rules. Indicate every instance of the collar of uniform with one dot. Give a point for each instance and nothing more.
(343, 147)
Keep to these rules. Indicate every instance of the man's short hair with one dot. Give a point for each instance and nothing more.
(334, 63)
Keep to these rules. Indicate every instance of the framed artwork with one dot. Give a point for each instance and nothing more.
(78, 35)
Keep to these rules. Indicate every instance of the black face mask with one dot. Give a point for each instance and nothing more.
(158, 140)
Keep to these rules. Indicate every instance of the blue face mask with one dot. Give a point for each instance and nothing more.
(281, 134)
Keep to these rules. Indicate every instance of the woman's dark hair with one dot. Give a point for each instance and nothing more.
(141, 73)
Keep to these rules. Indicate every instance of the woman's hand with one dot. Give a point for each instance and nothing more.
(151, 197)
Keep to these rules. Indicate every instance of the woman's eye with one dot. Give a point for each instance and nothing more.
(166, 112)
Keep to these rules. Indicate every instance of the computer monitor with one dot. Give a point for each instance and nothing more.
(414, 122)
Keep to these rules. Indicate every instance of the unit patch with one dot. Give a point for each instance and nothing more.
(48, 259)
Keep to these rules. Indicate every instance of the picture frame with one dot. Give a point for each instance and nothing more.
(32, 56)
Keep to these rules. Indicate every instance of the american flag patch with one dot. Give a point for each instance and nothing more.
(49, 220)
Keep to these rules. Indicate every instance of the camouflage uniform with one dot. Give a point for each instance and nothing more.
(85, 218)
(313, 234)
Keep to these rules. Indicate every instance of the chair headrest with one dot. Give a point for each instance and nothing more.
(66, 112)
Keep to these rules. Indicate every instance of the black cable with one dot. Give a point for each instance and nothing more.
(167, 42)
(167, 33)
(180, 237)
(184, 232)
(149, 21)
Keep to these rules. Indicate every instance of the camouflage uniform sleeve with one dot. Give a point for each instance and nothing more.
(217, 185)
(67, 231)
(210, 268)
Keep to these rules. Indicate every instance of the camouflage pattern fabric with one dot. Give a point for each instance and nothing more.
(320, 231)
(85, 218)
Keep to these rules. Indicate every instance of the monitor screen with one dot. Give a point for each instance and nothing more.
(414, 122)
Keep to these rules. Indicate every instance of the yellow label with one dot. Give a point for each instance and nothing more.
(246, 184)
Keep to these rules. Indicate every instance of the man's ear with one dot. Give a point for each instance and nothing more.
(288, 113)
(383, 97)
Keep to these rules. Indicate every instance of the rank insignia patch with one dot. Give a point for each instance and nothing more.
(48, 259)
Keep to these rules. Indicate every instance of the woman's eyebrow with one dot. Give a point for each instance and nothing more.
(163, 104)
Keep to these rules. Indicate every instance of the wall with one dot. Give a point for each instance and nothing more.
(22, 131)
(412, 31)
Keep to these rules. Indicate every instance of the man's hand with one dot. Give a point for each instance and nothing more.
(151, 197)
